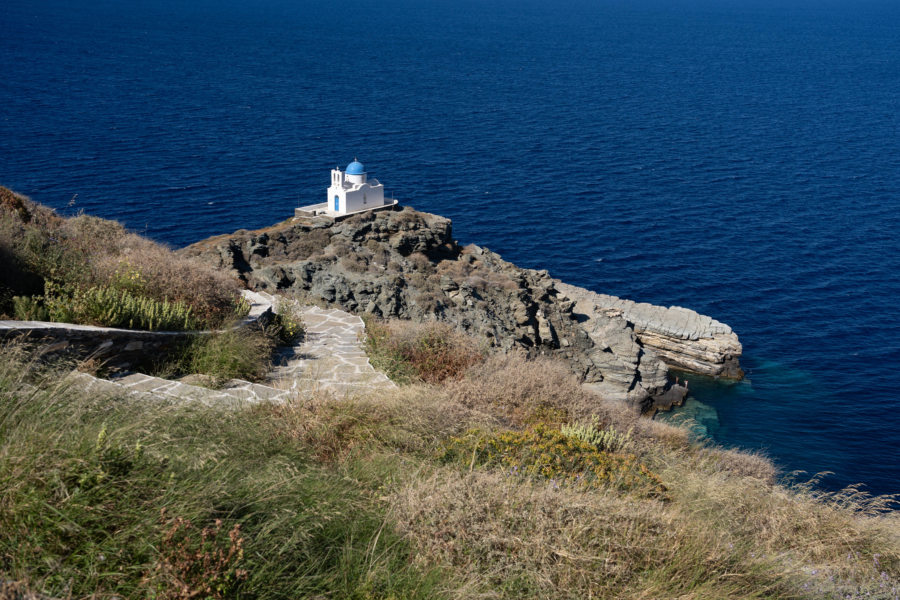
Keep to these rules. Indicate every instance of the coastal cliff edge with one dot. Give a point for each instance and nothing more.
(405, 264)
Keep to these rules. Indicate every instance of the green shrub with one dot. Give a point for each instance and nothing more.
(287, 325)
(109, 307)
(232, 354)
(29, 308)
(604, 439)
(546, 453)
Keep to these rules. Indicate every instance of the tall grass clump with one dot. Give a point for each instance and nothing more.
(101, 497)
(428, 352)
(520, 391)
(236, 353)
(409, 420)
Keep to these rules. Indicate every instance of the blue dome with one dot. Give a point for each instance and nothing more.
(355, 168)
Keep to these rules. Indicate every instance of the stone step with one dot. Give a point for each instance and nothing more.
(246, 390)
(331, 356)
(235, 390)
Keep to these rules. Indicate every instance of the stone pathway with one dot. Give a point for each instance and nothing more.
(147, 387)
(330, 357)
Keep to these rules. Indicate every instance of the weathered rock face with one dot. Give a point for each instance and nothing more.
(405, 264)
(680, 337)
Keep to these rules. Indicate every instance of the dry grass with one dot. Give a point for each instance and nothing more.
(826, 545)
(519, 391)
(743, 463)
(420, 352)
(721, 537)
(16, 591)
(725, 530)
(658, 434)
(526, 539)
(411, 419)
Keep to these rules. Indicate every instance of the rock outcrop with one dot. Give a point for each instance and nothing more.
(680, 337)
(405, 264)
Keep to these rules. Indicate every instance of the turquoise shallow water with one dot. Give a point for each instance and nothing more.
(737, 158)
(779, 416)
(709, 396)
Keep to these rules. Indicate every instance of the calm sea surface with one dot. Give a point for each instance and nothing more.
(741, 158)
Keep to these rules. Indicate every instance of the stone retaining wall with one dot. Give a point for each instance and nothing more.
(121, 348)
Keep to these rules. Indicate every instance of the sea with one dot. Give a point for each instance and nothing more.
(737, 157)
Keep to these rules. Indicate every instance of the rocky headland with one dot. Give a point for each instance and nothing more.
(405, 264)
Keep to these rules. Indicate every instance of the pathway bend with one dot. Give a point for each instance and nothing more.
(330, 356)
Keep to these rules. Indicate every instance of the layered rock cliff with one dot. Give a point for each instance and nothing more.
(406, 264)
(680, 337)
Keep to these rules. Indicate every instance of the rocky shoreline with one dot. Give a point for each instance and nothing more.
(405, 264)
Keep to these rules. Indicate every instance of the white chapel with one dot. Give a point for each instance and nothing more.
(351, 191)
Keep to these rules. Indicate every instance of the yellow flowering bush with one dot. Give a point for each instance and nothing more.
(128, 277)
(287, 325)
(544, 452)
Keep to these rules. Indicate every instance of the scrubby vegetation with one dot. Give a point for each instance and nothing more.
(235, 352)
(101, 498)
(287, 324)
(220, 356)
(89, 270)
(546, 453)
(429, 352)
(92, 271)
(505, 480)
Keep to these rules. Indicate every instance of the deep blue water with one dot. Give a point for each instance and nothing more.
(739, 158)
